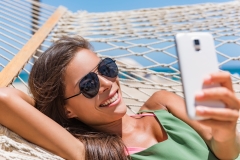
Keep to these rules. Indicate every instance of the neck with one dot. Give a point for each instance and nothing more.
(120, 127)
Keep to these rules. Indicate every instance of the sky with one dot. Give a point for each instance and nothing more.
(119, 5)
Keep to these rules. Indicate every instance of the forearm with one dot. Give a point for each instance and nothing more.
(226, 150)
(22, 118)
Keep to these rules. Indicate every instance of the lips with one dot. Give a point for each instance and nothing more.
(110, 100)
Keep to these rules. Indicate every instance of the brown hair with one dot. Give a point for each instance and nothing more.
(46, 84)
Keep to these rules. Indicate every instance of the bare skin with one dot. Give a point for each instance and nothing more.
(18, 114)
(219, 132)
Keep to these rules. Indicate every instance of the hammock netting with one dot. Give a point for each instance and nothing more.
(141, 41)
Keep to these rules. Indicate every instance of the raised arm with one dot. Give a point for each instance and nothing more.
(18, 114)
(219, 132)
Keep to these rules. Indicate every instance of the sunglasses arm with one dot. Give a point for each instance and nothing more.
(72, 96)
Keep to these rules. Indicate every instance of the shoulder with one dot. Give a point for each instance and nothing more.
(176, 106)
(159, 100)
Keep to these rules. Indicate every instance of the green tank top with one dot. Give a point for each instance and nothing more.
(183, 142)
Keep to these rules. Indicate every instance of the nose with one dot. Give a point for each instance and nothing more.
(105, 83)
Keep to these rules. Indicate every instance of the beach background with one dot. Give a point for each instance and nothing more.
(134, 96)
(115, 5)
(96, 6)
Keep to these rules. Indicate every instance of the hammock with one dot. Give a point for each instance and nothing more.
(141, 41)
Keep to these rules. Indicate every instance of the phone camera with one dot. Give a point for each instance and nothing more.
(196, 43)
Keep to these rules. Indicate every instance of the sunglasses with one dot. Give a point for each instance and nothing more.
(89, 84)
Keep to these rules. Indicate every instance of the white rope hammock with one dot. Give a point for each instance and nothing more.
(141, 41)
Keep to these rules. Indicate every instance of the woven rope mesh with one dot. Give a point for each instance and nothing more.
(19, 20)
(141, 42)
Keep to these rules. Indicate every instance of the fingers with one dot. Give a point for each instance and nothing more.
(224, 93)
(223, 121)
(219, 94)
(221, 130)
(219, 114)
(218, 124)
(223, 78)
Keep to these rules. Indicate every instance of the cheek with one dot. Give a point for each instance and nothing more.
(82, 107)
(118, 83)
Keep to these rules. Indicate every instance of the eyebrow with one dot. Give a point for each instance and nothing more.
(88, 72)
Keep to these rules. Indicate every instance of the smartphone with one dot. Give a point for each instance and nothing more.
(197, 59)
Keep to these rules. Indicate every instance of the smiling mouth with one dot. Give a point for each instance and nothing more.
(110, 100)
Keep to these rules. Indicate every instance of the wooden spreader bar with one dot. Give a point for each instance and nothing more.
(17, 63)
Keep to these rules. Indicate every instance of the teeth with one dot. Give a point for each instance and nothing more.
(113, 99)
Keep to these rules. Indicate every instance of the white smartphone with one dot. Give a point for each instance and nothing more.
(197, 59)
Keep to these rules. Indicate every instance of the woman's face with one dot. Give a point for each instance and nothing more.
(107, 106)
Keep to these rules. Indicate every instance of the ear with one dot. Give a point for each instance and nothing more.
(69, 112)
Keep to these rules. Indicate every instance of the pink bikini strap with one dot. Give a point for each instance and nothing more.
(132, 150)
(142, 115)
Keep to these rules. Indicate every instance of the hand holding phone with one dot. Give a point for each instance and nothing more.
(197, 59)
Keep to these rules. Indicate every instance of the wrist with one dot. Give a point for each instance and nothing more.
(226, 149)
(223, 136)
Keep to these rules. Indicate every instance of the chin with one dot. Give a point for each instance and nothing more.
(121, 110)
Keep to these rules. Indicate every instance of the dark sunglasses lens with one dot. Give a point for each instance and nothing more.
(108, 68)
(89, 85)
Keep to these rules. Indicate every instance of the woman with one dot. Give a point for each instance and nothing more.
(81, 92)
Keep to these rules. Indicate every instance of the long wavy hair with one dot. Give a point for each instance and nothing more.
(47, 87)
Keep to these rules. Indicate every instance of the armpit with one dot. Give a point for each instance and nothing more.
(154, 102)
